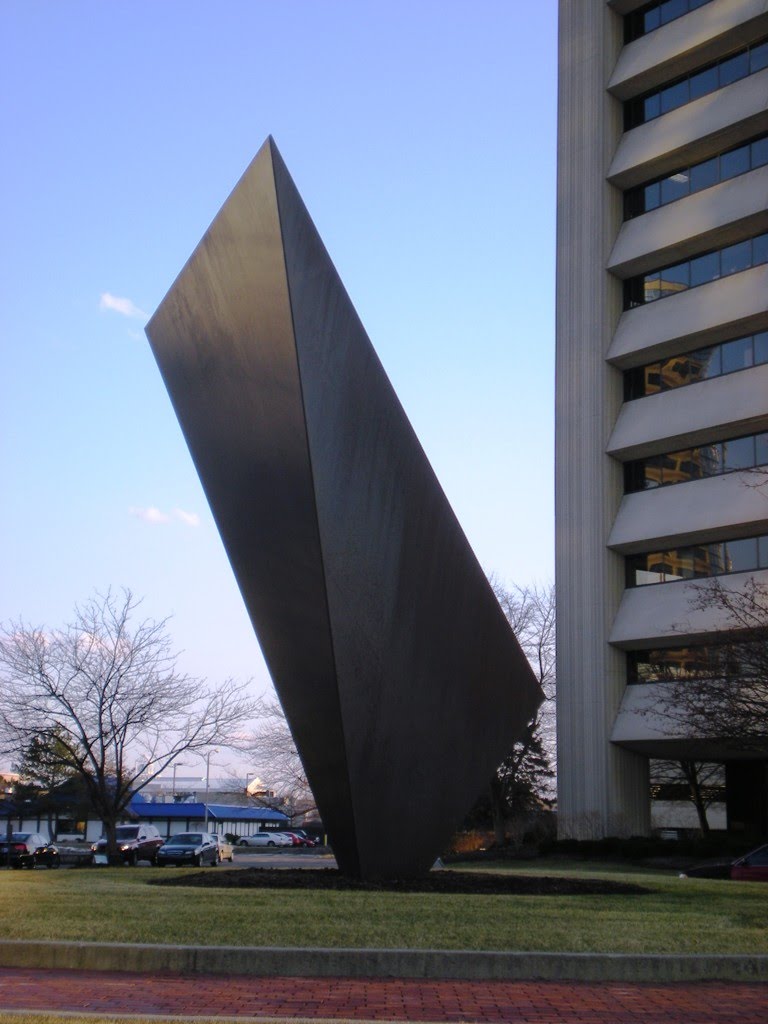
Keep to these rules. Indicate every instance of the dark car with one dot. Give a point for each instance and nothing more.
(135, 842)
(753, 867)
(27, 850)
(189, 848)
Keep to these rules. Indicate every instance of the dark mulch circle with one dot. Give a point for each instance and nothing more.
(452, 882)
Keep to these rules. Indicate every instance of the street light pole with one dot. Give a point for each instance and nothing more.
(207, 783)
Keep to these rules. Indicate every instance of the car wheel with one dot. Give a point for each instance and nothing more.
(270, 843)
(197, 861)
(54, 862)
(17, 867)
(215, 861)
(243, 842)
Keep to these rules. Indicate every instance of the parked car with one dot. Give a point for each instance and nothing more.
(135, 842)
(265, 839)
(753, 867)
(27, 850)
(298, 839)
(189, 848)
(226, 850)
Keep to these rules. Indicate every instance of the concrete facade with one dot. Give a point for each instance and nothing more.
(603, 743)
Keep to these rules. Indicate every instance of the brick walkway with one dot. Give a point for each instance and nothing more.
(382, 999)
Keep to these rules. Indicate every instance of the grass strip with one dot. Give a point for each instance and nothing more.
(117, 905)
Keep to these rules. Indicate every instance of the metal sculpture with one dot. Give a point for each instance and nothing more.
(400, 677)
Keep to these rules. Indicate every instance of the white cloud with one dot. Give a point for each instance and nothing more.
(156, 516)
(123, 306)
(189, 518)
(150, 515)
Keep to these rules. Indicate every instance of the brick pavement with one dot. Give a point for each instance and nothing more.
(382, 999)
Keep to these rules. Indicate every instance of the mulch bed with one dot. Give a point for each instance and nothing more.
(451, 882)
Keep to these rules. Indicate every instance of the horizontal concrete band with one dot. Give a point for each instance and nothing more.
(382, 963)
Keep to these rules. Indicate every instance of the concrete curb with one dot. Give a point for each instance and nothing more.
(469, 965)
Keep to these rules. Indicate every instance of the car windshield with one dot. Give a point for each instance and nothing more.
(186, 839)
(123, 832)
(19, 837)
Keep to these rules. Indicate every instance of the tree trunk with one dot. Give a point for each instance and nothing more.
(697, 798)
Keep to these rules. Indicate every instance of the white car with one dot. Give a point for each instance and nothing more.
(226, 850)
(265, 839)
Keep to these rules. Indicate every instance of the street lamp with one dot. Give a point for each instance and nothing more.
(177, 764)
(208, 782)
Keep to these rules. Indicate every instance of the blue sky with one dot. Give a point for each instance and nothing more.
(422, 138)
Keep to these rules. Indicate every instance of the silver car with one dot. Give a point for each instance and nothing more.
(265, 839)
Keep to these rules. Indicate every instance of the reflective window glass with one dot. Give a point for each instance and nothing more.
(704, 174)
(736, 258)
(761, 347)
(674, 96)
(704, 82)
(735, 162)
(651, 107)
(736, 355)
(651, 287)
(759, 152)
(653, 473)
(758, 58)
(738, 453)
(733, 69)
(741, 555)
(716, 558)
(651, 19)
(674, 188)
(675, 279)
(690, 466)
(711, 456)
(705, 268)
(652, 195)
(674, 372)
(672, 9)
(759, 250)
(652, 379)
(762, 552)
(681, 564)
(705, 363)
(761, 450)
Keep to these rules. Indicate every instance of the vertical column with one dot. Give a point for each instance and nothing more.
(602, 789)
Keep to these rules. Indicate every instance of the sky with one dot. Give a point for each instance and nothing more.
(421, 136)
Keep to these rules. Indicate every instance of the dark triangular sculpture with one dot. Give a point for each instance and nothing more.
(401, 680)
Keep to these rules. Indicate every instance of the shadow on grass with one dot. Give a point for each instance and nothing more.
(447, 882)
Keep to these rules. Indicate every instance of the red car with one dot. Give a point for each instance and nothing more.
(753, 867)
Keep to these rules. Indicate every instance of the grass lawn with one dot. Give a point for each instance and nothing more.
(117, 905)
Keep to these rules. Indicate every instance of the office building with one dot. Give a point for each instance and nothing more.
(662, 381)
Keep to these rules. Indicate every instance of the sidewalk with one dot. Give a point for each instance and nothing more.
(381, 999)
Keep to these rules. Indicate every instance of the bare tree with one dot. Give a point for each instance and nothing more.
(105, 696)
(722, 691)
(272, 750)
(702, 782)
(527, 773)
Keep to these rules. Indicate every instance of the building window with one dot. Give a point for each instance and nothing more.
(693, 367)
(698, 561)
(699, 661)
(698, 83)
(709, 266)
(697, 463)
(647, 19)
(696, 177)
